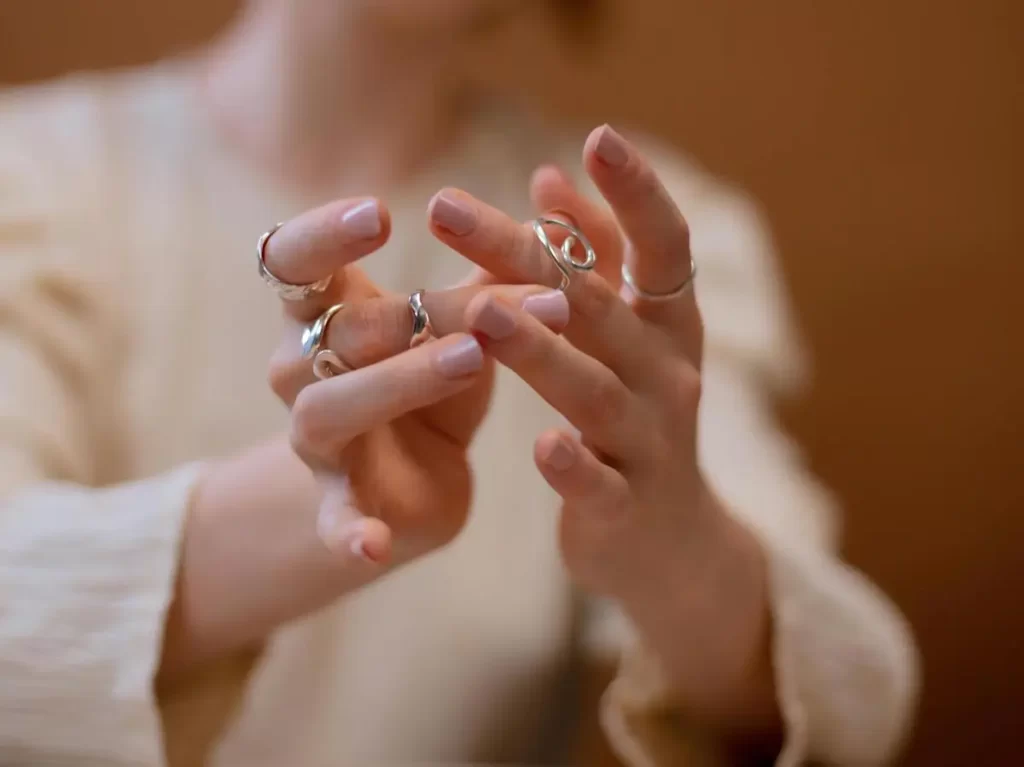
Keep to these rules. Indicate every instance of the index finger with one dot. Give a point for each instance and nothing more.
(320, 242)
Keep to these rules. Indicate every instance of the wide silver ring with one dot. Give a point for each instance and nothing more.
(646, 295)
(422, 330)
(285, 290)
(563, 257)
(326, 363)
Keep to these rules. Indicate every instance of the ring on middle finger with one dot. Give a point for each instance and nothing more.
(563, 257)
(326, 362)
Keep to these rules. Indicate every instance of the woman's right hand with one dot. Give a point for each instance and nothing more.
(374, 472)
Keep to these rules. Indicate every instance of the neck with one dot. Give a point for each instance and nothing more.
(320, 97)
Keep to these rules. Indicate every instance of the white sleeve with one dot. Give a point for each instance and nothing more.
(86, 574)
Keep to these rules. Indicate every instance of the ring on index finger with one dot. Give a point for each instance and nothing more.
(563, 257)
(287, 291)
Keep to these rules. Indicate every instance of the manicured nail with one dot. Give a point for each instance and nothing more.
(560, 457)
(453, 214)
(362, 221)
(458, 359)
(611, 147)
(335, 533)
(551, 308)
(495, 320)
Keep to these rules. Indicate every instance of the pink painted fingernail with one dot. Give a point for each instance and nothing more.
(611, 147)
(336, 533)
(560, 457)
(451, 213)
(362, 221)
(550, 307)
(458, 359)
(495, 320)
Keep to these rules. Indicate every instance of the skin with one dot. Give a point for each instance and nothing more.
(321, 521)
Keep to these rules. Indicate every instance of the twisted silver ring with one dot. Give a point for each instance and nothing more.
(422, 330)
(563, 256)
(285, 290)
(646, 295)
(326, 363)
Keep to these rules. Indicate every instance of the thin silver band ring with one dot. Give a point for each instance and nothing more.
(646, 295)
(422, 330)
(287, 291)
(326, 362)
(563, 256)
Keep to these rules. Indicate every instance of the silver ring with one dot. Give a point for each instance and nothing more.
(326, 363)
(646, 295)
(422, 330)
(563, 256)
(285, 290)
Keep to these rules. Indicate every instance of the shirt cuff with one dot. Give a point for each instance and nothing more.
(86, 578)
(846, 675)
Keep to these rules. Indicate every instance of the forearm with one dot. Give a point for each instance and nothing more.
(708, 622)
(250, 557)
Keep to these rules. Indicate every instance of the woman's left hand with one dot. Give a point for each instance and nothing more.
(639, 522)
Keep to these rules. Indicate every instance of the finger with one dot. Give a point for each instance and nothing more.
(320, 242)
(601, 324)
(366, 332)
(345, 529)
(328, 416)
(578, 476)
(552, 190)
(659, 258)
(582, 389)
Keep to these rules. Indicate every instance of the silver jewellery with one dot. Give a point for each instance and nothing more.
(563, 256)
(627, 277)
(286, 290)
(326, 363)
(422, 330)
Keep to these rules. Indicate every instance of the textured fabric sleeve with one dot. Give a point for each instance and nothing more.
(86, 573)
(846, 668)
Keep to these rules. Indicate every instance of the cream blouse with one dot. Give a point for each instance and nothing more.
(134, 340)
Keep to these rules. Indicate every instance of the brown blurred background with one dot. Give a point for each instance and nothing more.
(883, 140)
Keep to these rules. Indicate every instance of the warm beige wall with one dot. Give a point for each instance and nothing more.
(880, 137)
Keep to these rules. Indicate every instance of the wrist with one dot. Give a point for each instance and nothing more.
(704, 610)
(249, 557)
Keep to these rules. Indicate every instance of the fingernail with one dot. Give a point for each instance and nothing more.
(551, 308)
(459, 359)
(335, 534)
(362, 221)
(453, 214)
(611, 147)
(495, 320)
(560, 457)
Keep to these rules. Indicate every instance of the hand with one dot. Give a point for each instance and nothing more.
(638, 523)
(374, 472)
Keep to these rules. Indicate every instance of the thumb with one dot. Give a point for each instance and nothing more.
(361, 543)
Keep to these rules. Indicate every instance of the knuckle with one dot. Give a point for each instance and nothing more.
(595, 301)
(307, 424)
(279, 379)
(606, 400)
(684, 393)
(366, 332)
